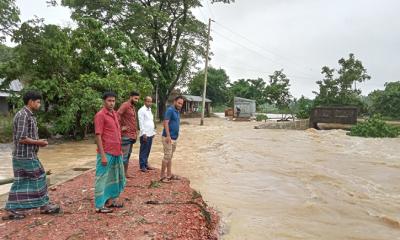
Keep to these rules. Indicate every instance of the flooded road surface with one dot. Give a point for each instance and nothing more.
(286, 184)
(57, 158)
(278, 184)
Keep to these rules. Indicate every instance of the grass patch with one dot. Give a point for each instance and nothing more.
(196, 194)
(154, 184)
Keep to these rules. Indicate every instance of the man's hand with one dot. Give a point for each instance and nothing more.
(124, 128)
(144, 138)
(169, 140)
(104, 160)
(42, 143)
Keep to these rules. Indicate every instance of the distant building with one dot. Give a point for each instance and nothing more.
(193, 104)
(15, 87)
(244, 108)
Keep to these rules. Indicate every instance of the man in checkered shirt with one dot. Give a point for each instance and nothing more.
(29, 189)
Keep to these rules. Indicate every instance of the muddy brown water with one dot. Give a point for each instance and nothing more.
(277, 184)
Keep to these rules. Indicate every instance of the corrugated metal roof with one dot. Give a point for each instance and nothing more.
(15, 86)
(193, 98)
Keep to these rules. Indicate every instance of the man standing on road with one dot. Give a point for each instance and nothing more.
(110, 174)
(128, 122)
(169, 138)
(29, 189)
(146, 124)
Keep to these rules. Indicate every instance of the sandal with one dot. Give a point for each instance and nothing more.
(164, 180)
(14, 215)
(50, 209)
(104, 210)
(115, 205)
(174, 177)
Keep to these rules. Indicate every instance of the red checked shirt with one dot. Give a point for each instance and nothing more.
(107, 125)
(128, 119)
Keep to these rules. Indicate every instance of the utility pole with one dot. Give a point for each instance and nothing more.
(205, 74)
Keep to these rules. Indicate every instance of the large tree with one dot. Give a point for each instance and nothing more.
(72, 67)
(249, 88)
(278, 90)
(387, 102)
(217, 85)
(340, 88)
(9, 18)
(166, 31)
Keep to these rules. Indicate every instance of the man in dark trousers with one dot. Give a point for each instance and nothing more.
(147, 132)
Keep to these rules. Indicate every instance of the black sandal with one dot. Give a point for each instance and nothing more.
(104, 210)
(165, 180)
(174, 177)
(13, 215)
(115, 205)
(50, 209)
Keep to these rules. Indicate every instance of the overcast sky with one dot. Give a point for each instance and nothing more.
(253, 38)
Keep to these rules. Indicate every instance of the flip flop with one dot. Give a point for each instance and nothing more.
(174, 177)
(104, 210)
(13, 215)
(115, 205)
(50, 209)
(164, 180)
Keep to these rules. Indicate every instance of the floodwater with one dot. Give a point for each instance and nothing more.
(279, 184)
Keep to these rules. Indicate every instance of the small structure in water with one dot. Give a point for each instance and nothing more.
(244, 108)
(340, 114)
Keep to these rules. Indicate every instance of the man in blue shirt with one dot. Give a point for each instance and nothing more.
(169, 138)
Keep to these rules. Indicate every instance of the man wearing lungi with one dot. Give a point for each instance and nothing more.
(128, 122)
(29, 189)
(110, 175)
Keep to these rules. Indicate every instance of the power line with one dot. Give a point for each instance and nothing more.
(263, 48)
(256, 52)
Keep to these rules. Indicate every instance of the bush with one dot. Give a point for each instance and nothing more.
(6, 129)
(303, 108)
(261, 117)
(374, 127)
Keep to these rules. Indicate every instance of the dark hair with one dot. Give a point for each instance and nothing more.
(179, 97)
(134, 94)
(32, 95)
(109, 94)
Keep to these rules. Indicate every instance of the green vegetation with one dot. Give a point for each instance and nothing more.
(386, 102)
(261, 117)
(217, 86)
(6, 129)
(374, 127)
(302, 107)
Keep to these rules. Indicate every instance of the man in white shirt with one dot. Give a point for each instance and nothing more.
(147, 132)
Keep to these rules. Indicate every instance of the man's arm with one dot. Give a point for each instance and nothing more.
(99, 126)
(101, 149)
(22, 133)
(167, 132)
(141, 116)
(121, 111)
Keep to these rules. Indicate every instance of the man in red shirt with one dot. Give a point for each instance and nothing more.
(128, 122)
(110, 175)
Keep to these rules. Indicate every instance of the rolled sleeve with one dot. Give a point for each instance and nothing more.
(22, 127)
(168, 114)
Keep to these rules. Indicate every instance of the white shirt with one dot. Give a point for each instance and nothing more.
(146, 121)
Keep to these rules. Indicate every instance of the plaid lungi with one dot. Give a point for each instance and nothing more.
(127, 145)
(29, 189)
(110, 179)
